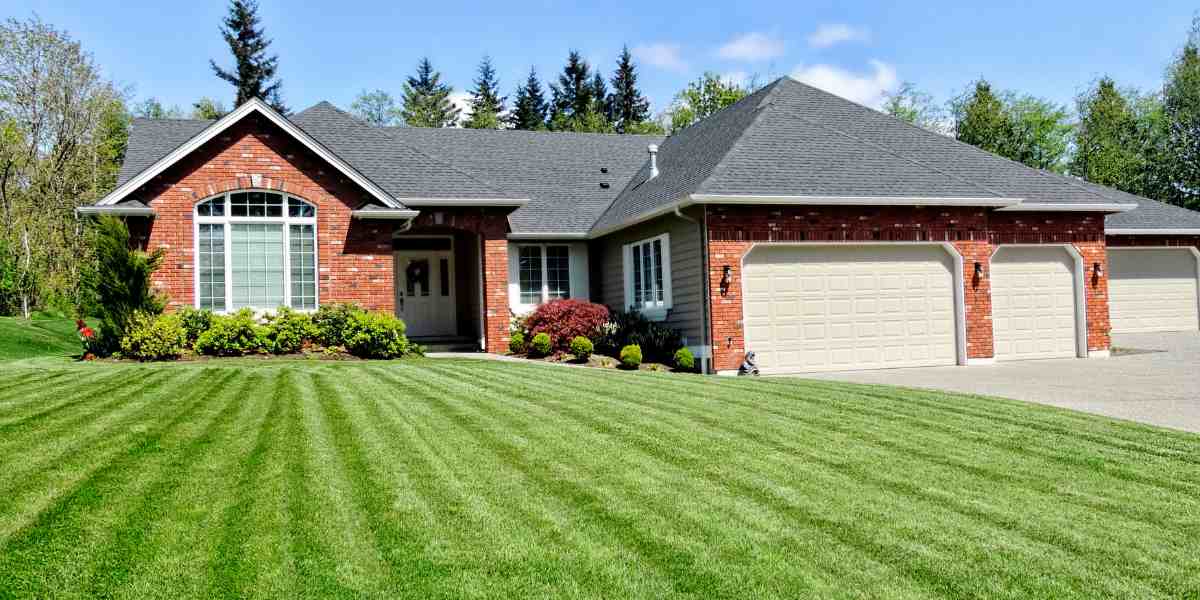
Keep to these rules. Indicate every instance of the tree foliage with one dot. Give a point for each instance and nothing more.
(487, 105)
(1029, 130)
(254, 71)
(208, 108)
(152, 108)
(427, 100)
(1181, 112)
(377, 108)
(1117, 138)
(627, 107)
(529, 105)
(701, 98)
(63, 130)
(578, 99)
(910, 104)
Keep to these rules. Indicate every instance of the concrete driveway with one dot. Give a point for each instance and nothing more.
(1152, 378)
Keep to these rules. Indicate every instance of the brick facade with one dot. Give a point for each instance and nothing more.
(354, 257)
(973, 232)
(1117, 241)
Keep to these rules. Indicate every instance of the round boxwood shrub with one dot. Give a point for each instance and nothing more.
(516, 343)
(332, 322)
(288, 330)
(151, 337)
(631, 356)
(684, 360)
(376, 335)
(540, 346)
(233, 335)
(582, 348)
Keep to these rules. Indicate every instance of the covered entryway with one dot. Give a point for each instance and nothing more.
(1153, 289)
(437, 287)
(839, 307)
(1034, 302)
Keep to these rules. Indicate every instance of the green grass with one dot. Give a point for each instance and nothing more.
(21, 338)
(455, 479)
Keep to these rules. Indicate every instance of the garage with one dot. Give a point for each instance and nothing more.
(826, 308)
(1153, 290)
(1034, 302)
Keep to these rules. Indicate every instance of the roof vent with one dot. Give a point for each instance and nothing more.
(604, 185)
(653, 149)
(603, 169)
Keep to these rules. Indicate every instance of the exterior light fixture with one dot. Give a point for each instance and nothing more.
(978, 269)
(726, 279)
(1098, 269)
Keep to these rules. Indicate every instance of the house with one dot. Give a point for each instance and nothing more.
(813, 231)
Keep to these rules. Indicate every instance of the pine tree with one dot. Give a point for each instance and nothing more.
(1108, 146)
(572, 95)
(529, 105)
(1181, 105)
(427, 100)
(254, 72)
(600, 99)
(486, 102)
(627, 107)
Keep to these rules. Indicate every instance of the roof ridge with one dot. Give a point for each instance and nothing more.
(760, 108)
(974, 148)
(542, 132)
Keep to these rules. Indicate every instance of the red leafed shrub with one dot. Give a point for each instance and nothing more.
(565, 319)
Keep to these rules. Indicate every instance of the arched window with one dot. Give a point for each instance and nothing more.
(256, 249)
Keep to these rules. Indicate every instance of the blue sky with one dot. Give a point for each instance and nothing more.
(331, 51)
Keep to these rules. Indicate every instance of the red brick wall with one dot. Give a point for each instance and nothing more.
(973, 232)
(1153, 240)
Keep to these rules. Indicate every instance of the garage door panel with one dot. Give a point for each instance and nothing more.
(1153, 290)
(1033, 303)
(861, 307)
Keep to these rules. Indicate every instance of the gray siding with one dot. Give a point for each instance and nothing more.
(687, 270)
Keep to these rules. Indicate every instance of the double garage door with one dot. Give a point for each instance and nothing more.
(1153, 290)
(825, 308)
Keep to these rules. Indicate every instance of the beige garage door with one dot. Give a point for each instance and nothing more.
(823, 308)
(1152, 290)
(1033, 303)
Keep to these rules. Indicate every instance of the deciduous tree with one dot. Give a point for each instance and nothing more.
(376, 107)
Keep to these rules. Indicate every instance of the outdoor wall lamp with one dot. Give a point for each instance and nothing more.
(978, 269)
(1098, 269)
(726, 279)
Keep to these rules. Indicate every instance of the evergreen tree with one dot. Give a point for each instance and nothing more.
(253, 74)
(600, 99)
(627, 106)
(529, 105)
(1181, 107)
(980, 120)
(486, 102)
(1109, 149)
(572, 95)
(377, 108)
(427, 100)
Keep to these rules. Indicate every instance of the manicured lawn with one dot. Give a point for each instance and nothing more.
(21, 338)
(483, 479)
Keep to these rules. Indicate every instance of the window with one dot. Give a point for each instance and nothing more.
(256, 249)
(648, 276)
(543, 273)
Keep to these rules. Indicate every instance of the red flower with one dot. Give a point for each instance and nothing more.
(87, 332)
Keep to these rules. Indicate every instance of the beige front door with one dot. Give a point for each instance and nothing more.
(425, 295)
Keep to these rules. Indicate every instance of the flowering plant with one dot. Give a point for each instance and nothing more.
(87, 337)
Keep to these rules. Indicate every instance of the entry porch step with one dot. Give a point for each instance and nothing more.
(447, 343)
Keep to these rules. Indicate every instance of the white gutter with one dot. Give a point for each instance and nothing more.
(121, 211)
(1070, 207)
(1192, 231)
(385, 214)
(547, 236)
(853, 200)
(431, 202)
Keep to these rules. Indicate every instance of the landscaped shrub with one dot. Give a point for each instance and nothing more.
(631, 356)
(516, 343)
(288, 330)
(233, 335)
(684, 360)
(658, 342)
(540, 346)
(119, 281)
(154, 337)
(582, 348)
(332, 321)
(564, 320)
(195, 322)
(377, 335)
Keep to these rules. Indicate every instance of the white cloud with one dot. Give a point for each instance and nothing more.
(864, 88)
(661, 55)
(463, 101)
(752, 47)
(830, 34)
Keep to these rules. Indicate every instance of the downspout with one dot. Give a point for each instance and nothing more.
(705, 299)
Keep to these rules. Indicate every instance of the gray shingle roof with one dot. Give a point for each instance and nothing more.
(1149, 215)
(152, 139)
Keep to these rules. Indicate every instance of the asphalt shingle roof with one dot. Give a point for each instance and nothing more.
(787, 139)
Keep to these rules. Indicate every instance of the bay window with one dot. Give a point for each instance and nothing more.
(256, 249)
(648, 276)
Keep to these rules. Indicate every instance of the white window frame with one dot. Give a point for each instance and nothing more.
(545, 274)
(227, 220)
(656, 311)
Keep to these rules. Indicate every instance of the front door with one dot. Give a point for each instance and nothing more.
(425, 292)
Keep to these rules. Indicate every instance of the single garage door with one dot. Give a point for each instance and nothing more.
(1033, 303)
(1152, 290)
(822, 308)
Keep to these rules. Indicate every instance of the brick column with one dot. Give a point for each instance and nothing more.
(977, 297)
(1096, 294)
(728, 333)
(495, 292)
